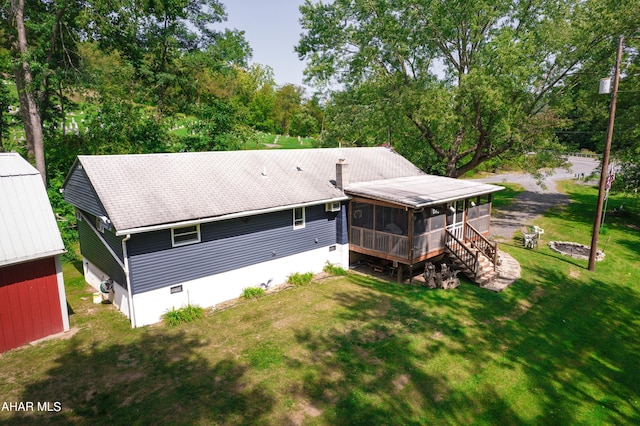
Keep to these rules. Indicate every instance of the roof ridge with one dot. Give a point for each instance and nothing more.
(145, 189)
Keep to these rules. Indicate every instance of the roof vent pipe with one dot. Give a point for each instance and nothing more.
(342, 174)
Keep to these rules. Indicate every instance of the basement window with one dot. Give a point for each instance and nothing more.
(185, 235)
(298, 218)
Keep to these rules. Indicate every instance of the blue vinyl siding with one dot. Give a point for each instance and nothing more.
(114, 242)
(96, 252)
(79, 192)
(342, 231)
(225, 246)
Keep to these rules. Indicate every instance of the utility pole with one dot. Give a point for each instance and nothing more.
(605, 159)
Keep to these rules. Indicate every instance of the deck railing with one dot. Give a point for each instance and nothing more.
(481, 224)
(480, 242)
(428, 242)
(382, 242)
(464, 254)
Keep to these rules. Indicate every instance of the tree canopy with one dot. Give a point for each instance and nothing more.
(451, 85)
(139, 69)
(454, 84)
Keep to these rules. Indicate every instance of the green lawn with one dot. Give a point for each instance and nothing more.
(268, 140)
(505, 197)
(561, 346)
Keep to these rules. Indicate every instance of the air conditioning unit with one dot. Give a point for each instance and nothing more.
(103, 223)
(333, 207)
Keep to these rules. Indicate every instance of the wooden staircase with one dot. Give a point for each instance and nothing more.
(476, 256)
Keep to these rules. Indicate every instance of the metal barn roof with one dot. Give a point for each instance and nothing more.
(28, 228)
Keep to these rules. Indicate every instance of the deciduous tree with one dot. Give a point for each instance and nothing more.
(462, 82)
(5, 117)
(26, 93)
(164, 39)
(41, 35)
(287, 104)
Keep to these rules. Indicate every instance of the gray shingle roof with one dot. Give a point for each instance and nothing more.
(153, 189)
(28, 228)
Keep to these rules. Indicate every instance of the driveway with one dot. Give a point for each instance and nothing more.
(529, 205)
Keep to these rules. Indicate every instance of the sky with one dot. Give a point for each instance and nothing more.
(272, 29)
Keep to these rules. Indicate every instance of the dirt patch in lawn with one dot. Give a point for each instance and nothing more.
(307, 410)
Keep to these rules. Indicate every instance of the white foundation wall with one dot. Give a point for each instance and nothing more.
(209, 291)
(118, 296)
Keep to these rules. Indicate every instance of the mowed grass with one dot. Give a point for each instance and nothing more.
(505, 197)
(269, 140)
(560, 346)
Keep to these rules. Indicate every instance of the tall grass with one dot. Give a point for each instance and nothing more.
(332, 269)
(183, 315)
(300, 278)
(253, 292)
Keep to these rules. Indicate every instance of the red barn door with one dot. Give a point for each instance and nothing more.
(29, 303)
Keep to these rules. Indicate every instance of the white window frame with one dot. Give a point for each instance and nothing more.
(175, 232)
(299, 223)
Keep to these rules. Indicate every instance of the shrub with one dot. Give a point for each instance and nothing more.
(65, 217)
(253, 292)
(332, 269)
(185, 314)
(300, 279)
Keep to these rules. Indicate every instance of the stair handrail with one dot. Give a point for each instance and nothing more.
(489, 249)
(470, 254)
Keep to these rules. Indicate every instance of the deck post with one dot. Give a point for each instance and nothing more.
(410, 246)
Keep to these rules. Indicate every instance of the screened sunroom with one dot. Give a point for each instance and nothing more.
(406, 220)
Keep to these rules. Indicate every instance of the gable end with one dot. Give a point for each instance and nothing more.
(79, 192)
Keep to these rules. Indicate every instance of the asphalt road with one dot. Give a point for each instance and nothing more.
(536, 199)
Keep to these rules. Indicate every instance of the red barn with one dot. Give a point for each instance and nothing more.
(33, 304)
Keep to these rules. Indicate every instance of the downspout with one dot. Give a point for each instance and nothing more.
(342, 181)
(410, 218)
(132, 311)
